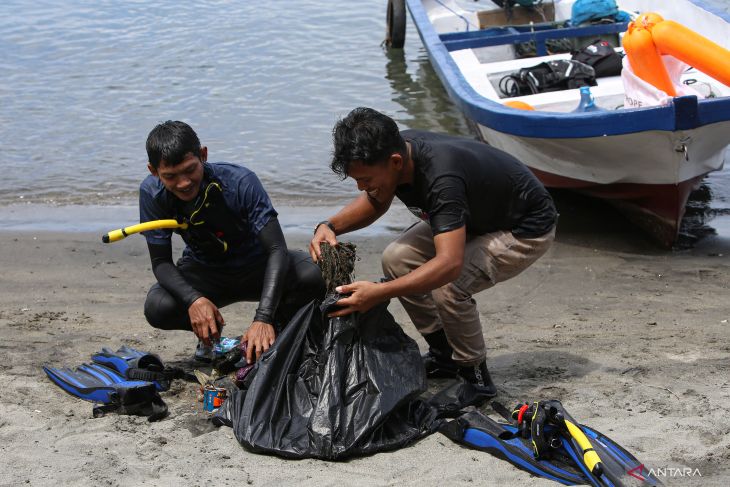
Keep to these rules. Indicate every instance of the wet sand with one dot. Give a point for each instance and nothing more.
(632, 339)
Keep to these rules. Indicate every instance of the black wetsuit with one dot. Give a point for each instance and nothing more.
(235, 252)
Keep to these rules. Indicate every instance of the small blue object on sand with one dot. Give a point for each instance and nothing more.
(220, 347)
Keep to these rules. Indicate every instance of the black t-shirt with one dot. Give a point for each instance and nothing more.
(459, 181)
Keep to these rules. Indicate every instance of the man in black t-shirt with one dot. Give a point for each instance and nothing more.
(485, 218)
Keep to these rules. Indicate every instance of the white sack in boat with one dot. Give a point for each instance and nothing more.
(638, 93)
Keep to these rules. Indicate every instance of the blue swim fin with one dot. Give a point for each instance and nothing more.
(564, 465)
(504, 441)
(109, 390)
(137, 365)
(602, 461)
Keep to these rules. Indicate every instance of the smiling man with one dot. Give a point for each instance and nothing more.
(485, 218)
(235, 249)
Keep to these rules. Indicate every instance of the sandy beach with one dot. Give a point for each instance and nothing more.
(633, 341)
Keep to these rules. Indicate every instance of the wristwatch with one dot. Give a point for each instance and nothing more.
(325, 222)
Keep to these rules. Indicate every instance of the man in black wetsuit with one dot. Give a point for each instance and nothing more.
(485, 218)
(235, 247)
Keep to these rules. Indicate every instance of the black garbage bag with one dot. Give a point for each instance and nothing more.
(333, 389)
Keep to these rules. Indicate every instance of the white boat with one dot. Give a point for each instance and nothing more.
(645, 160)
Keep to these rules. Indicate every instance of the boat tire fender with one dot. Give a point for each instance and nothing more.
(395, 24)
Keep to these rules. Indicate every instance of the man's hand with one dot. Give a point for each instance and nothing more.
(364, 296)
(323, 234)
(204, 319)
(260, 337)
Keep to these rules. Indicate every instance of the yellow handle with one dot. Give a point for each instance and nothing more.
(116, 235)
(590, 457)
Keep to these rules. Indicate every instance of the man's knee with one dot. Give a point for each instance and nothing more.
(311, 281)
(161, 310)
(393, 260)
(452, 295)
(308, 282)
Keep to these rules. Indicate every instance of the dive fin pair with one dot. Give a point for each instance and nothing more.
(126, 381)
(565, 463)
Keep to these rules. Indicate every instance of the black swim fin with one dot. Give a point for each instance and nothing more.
(109, 391)
(137, 365)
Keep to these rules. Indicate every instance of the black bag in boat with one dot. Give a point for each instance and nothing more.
(555, 75)
(601, 56)
(334, 388)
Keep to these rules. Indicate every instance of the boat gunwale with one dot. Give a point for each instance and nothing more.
(455, 41)
(685, 113)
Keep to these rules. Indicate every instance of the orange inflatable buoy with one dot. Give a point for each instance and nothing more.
(650, 36)
(692, 48)
(520, 105)
(646, 61)
(646, 21)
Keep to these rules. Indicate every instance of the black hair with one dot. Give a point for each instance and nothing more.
(367, 136)
(171, 141)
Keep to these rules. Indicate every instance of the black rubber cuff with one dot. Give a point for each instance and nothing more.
(264, 317)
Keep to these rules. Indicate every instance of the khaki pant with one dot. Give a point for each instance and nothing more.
(488, 259)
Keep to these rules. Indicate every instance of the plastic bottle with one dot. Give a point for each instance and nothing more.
(587, 103)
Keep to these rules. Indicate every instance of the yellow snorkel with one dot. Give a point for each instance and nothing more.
(196, 220)
(116, 235)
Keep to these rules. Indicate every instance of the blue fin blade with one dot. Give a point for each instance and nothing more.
(130, 353)
(81, 385)
(523, 460)
(112, 361)
(618, 459)
(578, 459)
(91, 382)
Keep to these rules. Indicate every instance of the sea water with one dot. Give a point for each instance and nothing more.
(83, 82)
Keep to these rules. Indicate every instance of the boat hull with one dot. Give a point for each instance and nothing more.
(657, 209)
(647, 175)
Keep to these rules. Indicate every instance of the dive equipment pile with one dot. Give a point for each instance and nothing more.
(544, 440)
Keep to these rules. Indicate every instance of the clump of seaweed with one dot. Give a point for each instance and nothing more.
(337, 264)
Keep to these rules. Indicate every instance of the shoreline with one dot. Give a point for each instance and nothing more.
(80, 219)
(633, 341)
(583, 220)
